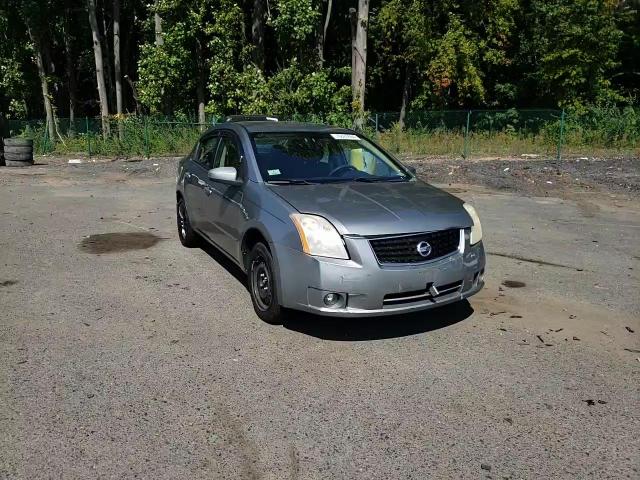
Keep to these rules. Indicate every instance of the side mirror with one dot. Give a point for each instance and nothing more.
(411, 169)
(226, 175)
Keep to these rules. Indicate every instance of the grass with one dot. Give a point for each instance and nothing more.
(596, 132)
(500, 144)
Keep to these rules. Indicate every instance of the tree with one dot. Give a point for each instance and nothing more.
(70, 67)
(186, 57)
(97, 52)
(117, 67)
(173, 69)
(116, 55)
(18, 78)
(44, 83)
(38, 19)
(323, 27)
(295, 23)
(572, 52)
(627, 78)
(258, 19)
(359, 54)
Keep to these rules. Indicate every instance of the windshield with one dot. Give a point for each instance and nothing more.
(321, 158)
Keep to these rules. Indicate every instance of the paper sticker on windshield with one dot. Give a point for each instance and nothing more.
(273, 172)
(345, 136)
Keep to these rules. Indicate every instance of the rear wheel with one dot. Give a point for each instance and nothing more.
(262, 285)
(188, 237)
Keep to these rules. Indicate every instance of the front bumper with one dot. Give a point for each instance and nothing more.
(372, 289)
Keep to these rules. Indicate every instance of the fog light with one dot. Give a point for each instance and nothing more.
(331, 299)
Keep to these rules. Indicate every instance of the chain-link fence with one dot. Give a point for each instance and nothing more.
(455, 133)
(127, 136)
(474, 133)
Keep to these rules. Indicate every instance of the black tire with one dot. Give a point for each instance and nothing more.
(21, 149)
(19, 157)
(18, 142)
(14, 163)
(187, 235)
(262, 285)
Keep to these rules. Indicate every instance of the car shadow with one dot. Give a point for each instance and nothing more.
(357, 329)
(226, 263)
(378, 328)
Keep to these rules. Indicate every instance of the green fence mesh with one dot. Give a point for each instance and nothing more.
(457, 133)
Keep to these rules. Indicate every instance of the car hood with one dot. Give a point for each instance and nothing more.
(382, 208)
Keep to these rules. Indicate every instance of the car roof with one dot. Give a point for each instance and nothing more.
(280, 127)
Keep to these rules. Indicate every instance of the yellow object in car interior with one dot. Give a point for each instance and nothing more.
(363, 161)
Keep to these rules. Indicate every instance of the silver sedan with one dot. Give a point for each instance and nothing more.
(323, 220)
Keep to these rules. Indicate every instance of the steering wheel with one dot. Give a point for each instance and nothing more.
(341, 169)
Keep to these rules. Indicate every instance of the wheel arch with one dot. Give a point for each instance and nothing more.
(251, 236)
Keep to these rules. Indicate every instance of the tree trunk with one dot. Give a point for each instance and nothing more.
(159, 43)
(97, 53)
(116, 55)
(108, 74)
(322, 35)
(70, 72)
(200, 83)
(360, 54)
(257, 31)
(116, 64)
(44, 85)
(353, 20)
(158, 24)
(405, 97)
(134, 94)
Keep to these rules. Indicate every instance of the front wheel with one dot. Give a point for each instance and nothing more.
(262, 285)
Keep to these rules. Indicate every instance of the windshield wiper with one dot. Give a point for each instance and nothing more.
(379, 179)
(294, 181)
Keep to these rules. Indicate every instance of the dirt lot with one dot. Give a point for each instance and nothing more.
(127, 356)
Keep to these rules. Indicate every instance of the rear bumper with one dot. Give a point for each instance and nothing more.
(371, 289)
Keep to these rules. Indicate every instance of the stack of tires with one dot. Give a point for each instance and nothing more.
(18, 152)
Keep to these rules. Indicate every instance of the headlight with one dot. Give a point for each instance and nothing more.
(476, 229)
(318, 236)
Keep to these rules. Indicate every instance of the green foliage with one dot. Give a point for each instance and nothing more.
(573, 47)
(455, 64)
(455, 53)
(295, 20)
(165, 71)
(437, 55)
(16, 70)
(606, 126)
(291, 91)
(510, 132)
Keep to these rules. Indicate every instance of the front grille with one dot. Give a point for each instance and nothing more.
(419, 295)
(404, 249)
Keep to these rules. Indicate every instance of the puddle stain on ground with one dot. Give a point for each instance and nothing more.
(514, 284)
(118, 242)
(7, 283)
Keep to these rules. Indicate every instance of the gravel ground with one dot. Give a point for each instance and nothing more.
(127, 356)
(537, 177)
